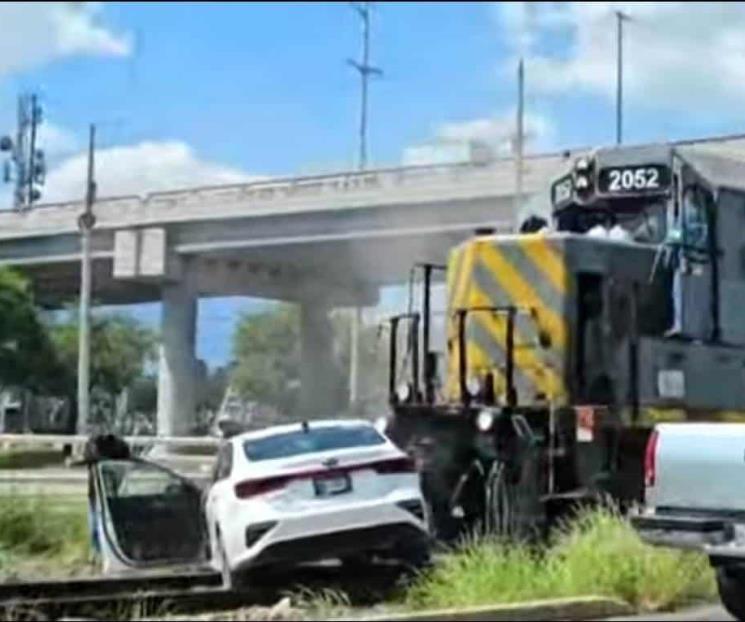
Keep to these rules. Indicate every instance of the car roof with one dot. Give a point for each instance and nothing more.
(298, 426)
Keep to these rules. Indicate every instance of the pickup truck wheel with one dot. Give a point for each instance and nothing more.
(732, 592)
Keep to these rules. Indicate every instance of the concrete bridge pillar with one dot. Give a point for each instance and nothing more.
(177, 366)
(318, 374)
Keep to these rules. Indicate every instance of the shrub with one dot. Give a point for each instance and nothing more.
(598, 553)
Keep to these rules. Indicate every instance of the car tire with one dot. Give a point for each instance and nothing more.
(416, 555)
(732, 591)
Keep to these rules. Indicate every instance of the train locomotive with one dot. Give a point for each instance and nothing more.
(565, 345)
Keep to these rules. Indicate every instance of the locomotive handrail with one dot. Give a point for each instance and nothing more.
(510, 311)
(393, 354)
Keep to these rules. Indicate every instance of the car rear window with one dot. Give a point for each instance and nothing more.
(315, 440)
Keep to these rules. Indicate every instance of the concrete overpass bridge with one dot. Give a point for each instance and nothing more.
(322, 242)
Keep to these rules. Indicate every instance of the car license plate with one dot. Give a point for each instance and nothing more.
(333, 485)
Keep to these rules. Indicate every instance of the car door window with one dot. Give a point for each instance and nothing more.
(153, 515)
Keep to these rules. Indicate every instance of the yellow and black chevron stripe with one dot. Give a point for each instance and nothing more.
(527, 271)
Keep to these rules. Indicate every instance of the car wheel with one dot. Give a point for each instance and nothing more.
(732, 591)
(416, 555)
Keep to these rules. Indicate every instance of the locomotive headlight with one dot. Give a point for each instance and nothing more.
(582, 164)
(403, 392)
(582, 182)
(473, 386)
(485, 420)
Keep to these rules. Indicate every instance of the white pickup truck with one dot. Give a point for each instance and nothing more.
(695, 498)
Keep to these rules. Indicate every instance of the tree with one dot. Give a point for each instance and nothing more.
(215, 385)
(27, 355)
(121, 348)
(266, 349)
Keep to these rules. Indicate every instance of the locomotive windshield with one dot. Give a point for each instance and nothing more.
(627, 194)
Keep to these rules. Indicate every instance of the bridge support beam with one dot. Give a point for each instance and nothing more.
(177, 366)
(319, 384)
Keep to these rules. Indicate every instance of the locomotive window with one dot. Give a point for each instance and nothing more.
(695, 221)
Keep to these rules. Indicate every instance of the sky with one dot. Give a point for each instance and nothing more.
(196, 93)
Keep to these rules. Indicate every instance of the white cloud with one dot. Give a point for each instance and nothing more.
(677, 55)
(34, 33)
(138, 169)
(453, 139)
(56, 140)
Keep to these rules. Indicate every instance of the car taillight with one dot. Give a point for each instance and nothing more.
(395, 466)
(650, 459)
(254, 487)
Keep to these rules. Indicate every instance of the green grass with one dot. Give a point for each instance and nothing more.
(597, 554)
(42, 536)
(30, 458)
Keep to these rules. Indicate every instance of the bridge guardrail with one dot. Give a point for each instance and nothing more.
(158, 207)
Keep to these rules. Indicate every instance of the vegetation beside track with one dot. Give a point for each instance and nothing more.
(43, 536)
(599, 554)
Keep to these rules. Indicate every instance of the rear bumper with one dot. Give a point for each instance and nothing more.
(307, 536)
(684, 532)
(381, 538)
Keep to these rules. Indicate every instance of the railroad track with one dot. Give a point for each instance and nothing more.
(107, 597)
(119, 598)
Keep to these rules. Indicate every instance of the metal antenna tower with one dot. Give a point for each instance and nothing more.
(25, 166)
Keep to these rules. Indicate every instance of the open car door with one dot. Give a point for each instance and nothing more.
(146, 516)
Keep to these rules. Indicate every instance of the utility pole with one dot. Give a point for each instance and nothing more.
(520, 136)
(86, 223)
(25, 166)
(621, 17)
(365, 69)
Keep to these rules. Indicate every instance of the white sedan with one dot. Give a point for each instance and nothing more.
(336, 489)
